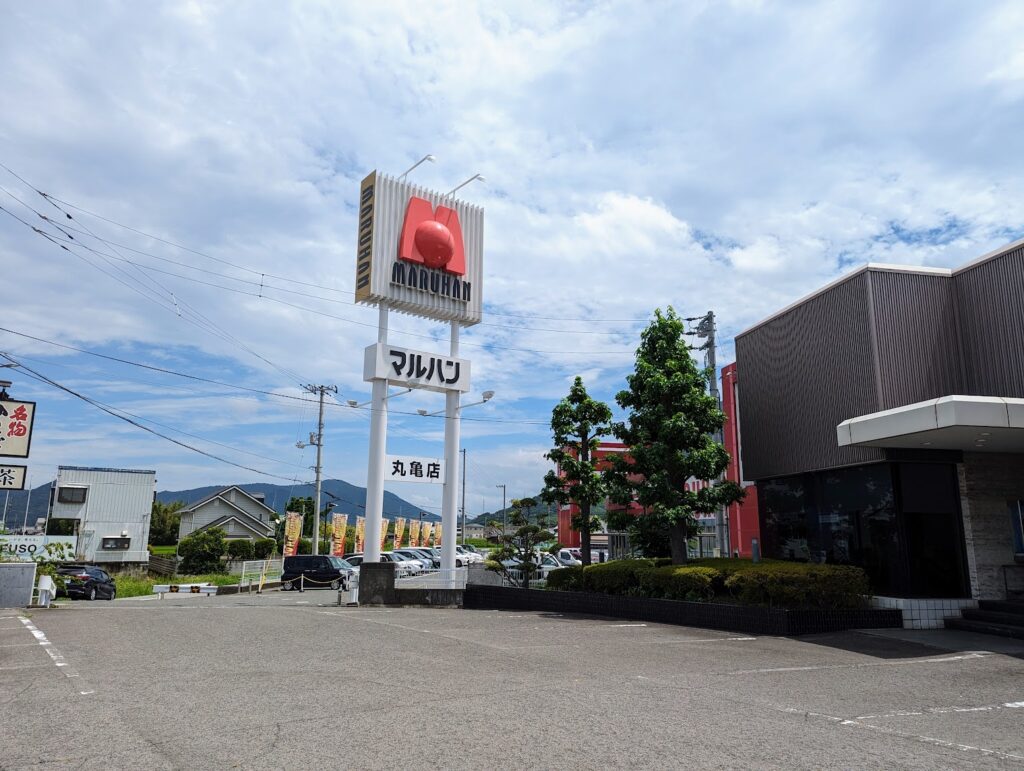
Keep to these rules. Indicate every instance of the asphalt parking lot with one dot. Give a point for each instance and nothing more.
(295, 682)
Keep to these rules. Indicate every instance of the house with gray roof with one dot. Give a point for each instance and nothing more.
(238, 513)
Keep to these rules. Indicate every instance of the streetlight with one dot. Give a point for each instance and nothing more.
(451, 192)
(354, 404)
(427, 157)
(486, 397)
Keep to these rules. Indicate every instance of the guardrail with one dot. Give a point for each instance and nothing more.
(434, 579)
(260, 572)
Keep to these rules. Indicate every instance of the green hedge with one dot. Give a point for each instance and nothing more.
(800, 585)
(771, 583)
(568, 579)
(617, 577)
(676, 582)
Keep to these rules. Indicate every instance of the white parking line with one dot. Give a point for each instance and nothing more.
(942, 660)
(56, 656)
(855, 723)
(627, 625)
(944, 710)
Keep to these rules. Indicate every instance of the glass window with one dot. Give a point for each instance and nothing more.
(1017, 525)
(71, 495)
(784, 515)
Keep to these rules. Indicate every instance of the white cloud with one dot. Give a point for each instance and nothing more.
(728, 157)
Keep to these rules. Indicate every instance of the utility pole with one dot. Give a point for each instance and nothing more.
(504, 514)
(318, 441)
(706, 329)
(463, 496)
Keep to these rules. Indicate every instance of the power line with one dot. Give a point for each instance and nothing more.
(51, 198)
(198, 378)
(192, 316)
(113, 411)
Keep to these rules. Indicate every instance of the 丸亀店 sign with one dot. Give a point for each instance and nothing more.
(16, 428)
(405, 468)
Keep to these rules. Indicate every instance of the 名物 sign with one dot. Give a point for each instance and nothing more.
(403, 468)
(12, 477)
(16, 428)
(415, 369)
(419, 251)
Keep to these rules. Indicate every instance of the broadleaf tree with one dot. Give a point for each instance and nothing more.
(670, 435)
(577, 424)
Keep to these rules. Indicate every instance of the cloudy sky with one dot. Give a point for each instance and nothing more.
(726, 156)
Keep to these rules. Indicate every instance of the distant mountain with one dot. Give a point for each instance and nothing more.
(350, 499)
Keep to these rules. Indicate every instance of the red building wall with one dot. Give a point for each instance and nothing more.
(743, 516)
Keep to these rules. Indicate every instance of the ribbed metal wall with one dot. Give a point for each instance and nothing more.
(804, 372)
(916, 337)
(990, 300)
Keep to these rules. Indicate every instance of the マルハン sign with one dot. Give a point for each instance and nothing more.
(419, 251)
(16, 428)
(415, 369)
(405, 468)
(12, 477)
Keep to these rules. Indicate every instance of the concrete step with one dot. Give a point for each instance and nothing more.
(984, 627)
(994, 616)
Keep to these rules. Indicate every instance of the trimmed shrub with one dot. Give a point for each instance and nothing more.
(660, 562)
(678, 582)
(800, 585)
(568, 579)
(201, 552)
(263, 548)
(241, 549)
(616, 577)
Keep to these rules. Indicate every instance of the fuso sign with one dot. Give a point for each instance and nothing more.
(419, 251)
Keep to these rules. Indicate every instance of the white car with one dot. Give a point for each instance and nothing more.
(404, 566)
(414, 554)
(468, 557)
(569, 557)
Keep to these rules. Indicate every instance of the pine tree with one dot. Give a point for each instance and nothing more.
(577, 424)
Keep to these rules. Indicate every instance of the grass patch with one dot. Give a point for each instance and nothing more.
(163, 551)
(131, 585)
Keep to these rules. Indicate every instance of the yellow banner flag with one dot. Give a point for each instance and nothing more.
(437, 534)
(360, 533)
(292, 533)
(399, 532)
(339, 527)
(383, 533)
(425, 531)
(414, 532)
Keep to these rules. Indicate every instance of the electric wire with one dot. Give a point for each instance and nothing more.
(53, 200)
(114, 412)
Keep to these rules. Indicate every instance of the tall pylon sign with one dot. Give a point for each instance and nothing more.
(418, 252)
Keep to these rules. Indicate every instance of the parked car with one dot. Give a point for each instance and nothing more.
(435, 559)
(320, 571)
(543, 565)
(567, 558)
(468, 557)
(426, 562)
(403, 567)
(87, 582)
(460, 559)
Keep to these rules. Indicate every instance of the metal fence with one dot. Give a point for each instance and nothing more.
(259, 572)
(434, 579)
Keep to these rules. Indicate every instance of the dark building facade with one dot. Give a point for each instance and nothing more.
(883, 422)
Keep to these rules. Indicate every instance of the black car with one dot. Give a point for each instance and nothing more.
(320, 571)
(87, 582)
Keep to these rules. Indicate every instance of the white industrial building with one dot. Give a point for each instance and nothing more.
(111, 510)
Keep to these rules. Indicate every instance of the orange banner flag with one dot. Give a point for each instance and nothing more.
(339, 527)
(292, 533)
(399, 532)
(360, 533)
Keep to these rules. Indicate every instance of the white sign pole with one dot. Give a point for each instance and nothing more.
(452, 426)
(378, 452)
